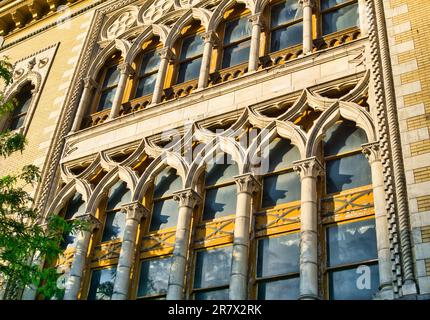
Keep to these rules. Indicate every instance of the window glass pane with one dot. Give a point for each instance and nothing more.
(75, 207)
(236, 54)
(351, 242)
(150, 63)
(23, 101)
(220, 202)
(112, 77)
(221, 294)
(286, 37)
(347, 173)
(118, 195)
(189, 70)
(285, 12)
(278, 255)
(154, 277)
(340, 19)
(343, 137)
(70, 241)
(213, 267)
(358, 283)
(282, 188)
(114, 226)
(106, 99)
(287, 289)
(281, 154)
(164, 214)
(17, 123)
(191, 47)
(102, 282)
(326, 4)
(167, 182)
(237, 29)
(146, 85)
(221, 169)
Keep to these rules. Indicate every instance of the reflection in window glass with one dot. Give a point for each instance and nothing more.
(236, 54)
(236, 42)
(146, 85)
(189, 70)
(147, 74)
(164, 214)
(114, 226)
(154, 277)
(212, 267)
(286, 289)
(286, 37)
(75, 207)
(285, 12)
(237, 30)
(102, 281)
(23, 100)
(281, 188)
(191, 46)
(281, 154)
(221, 294)
(220, 202)
(340, 19)
(190, 58)
(118, 195)
(221, 169)
(110, 84)
(167, 182)
(327, 4)
(343, 137)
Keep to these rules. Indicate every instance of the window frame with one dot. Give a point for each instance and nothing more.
(138, 78)
(195, 33)
(138, 272)
(333, 9)
(90, 277)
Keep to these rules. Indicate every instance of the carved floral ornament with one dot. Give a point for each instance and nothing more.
(120, 23)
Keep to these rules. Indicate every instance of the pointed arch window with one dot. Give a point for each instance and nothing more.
(74, 208)
(147, 75)
(23, 101)
(337, 15)
(190, 58)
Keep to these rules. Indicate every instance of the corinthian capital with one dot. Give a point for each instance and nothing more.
(135, 211)
(210, 37)
(371, 151)
(309, 167)
(307, 3)
(256, 19)
(247, 183)
(92, 221)
(166, 53)
(125, 68)
(187, 198)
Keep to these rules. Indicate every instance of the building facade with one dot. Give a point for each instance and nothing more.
(228, 149)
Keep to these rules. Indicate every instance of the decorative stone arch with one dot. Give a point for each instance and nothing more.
(187, 16)
(118, 23)
(166, 159)
(218, 144)
(218, 14)
(347, 110)
(283, 129)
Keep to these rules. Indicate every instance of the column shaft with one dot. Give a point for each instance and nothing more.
(255, 42)
(165, 56)
(125, 71)
(206, 61)
(307, 27)
(83, 104)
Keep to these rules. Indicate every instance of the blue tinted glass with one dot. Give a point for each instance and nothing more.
(358, 283)
(164, 214)
(278, 255)
(351, 242)
(146, 85)
(154, 277)
(213, 267)
(118, 195)
(17, 123)
(287, 289)
(236, 54)
(220, 169)
(326, 4)
(112, 77)
(286, 37)
(343, 137)
(189, 70)
(150, 63)
(340, 19)
(106, 99)
(102, 282)
(167, 182)
(220, 294)
(282, 188)
(237, 29)
(70, 241)
(191, 47)
(23, 101)
(75, 207)
(281, 154)
(220, 202)
(114, 226)
(347, 173)
(285, 12)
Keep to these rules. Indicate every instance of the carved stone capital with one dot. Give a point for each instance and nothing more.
(93, 222)
(211, 37)
(309, 167)
(247, 183)
(256, 19)
(135, 211)
(187, 198)
(307, 3)
(166, 53)
(371, 151)
(89, 83)
(125, 68)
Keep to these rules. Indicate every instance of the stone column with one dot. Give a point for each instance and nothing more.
(364, 27)
(73, 283)
(246, 186)
(372, 153)
(135, 212)
(89, 85)
(187, 199)
(308, 169)
(254, 51)
(165, 56)
(125, 70)
(209, 39)
(307, 25)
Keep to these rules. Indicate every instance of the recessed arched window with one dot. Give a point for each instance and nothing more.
(108, 83)
(220, 188)
(147, 74)
(74, 208)
(22, 103)
(236, 40)
(286, 25)
(102, 282)
(346, 166)
(337, 15)
(114, 224)
(190, 58)
(154, 278)
(165, 208)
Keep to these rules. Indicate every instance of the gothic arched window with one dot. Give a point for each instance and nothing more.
(337, 15)
(23, 101)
